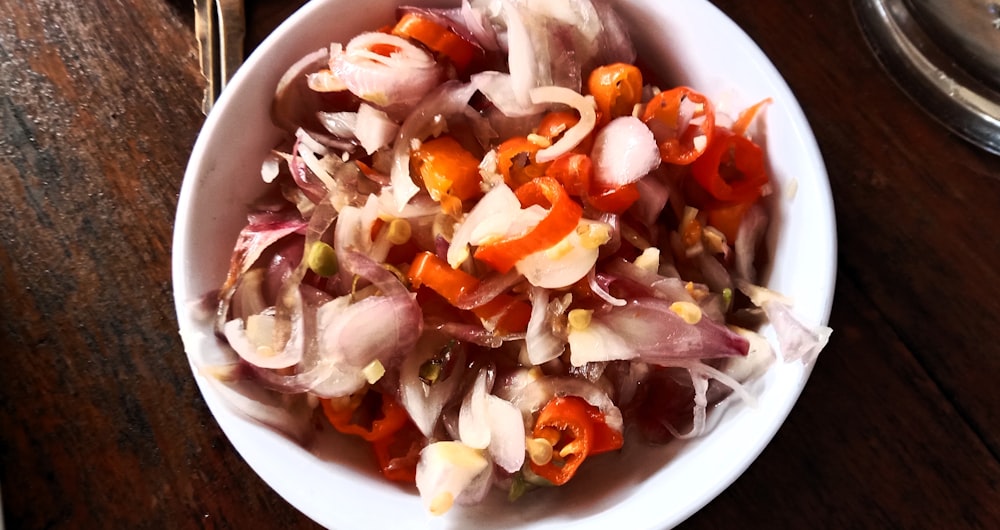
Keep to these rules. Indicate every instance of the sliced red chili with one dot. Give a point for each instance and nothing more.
(732, 169)
(682, 121)
(506, 313)
(575, 429)
(373, 417)
(563, 215)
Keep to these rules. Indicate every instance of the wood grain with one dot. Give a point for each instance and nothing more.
(102, 426)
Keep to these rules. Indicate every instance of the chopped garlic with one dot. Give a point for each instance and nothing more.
(649, 260)
(593, 235)
(539, 140)
(690, 312)
(373, 372)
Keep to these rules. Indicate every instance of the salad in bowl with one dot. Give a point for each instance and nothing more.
(492, 252)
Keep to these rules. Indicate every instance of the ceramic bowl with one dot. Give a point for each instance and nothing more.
(334, 483)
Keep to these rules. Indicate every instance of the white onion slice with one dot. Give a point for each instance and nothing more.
(340, 124)
(374, 129)
(256, 348)
(584, 105)
(473, 418)
(444, 472)
(498, 202)
(424, 402)
(499, 89)
(624, 152)
(541, 343)
(402, 78)
(564, 263)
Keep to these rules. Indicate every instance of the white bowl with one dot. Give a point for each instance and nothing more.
(687, 42)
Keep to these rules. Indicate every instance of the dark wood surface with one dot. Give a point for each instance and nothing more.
(102, 426)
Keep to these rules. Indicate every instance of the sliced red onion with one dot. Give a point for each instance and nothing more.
(715, 273)
(402, 78)
(419, 206)
(614, 223)
(614, 43)
(748, 238)
(424, 402)
(342, 124)
(374, 129)
(649, 330)
(257, 349)
(385, 281)
(253, 240)
(487, 422)
(624, 151)
(541, 343)
(249, 298)
(376, 328)
(428, 118)
(701, 374)
(796, 340)
(499, 202)
(488, 289)
(652, 284)
(479, 28)
(499, 89)
(295, 104)
(584, 105)
(522, 59)
(445, 471)
(599, 286)
(471, 333)
(353, 231)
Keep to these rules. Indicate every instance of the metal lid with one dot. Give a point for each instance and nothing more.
(946, 55)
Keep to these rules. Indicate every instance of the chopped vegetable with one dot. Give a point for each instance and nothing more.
(682, 122)
(569, 430)
(373, 416)
(505, 313)
(450, 173)
(617, 89)
(491, 249)
(436, 37)
(561, 219)
(732, 169)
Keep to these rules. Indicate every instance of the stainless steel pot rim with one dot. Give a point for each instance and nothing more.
(966, 105)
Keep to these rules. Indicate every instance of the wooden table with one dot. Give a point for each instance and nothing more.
(102, 425)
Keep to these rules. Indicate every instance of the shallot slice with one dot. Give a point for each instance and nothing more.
(403, 77)
(445, 470)
(652, 331)
(584, 105)
(624, 152)
(488, 422)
